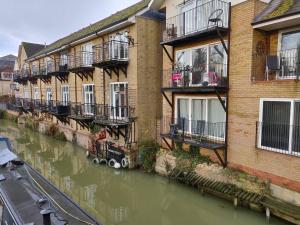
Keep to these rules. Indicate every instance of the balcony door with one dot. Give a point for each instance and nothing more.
(119, 100)
(65, 94)
(188, 18)
(48, 96)
(86, 54)
(89, 99)
(118, 47)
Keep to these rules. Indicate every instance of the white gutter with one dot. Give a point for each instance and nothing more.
(276, 21)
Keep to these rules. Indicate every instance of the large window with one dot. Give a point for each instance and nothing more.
(203, 65)
(87, 54)
(119, 99)
(279, 126)
(89, 99)
(65, 95)
(199, 115)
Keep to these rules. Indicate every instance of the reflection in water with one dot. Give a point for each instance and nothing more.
(122, 197)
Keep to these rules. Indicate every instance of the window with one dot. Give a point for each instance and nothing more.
(48, 95)
(118, 46)
(65, 95)
(26, 93)
(89, 99)
(279, 126)
(194, 115)
(119, 99)
(290, 40)
(202, 66)
(63, 59)
(3, 145)
(87, 54)
(36, 92)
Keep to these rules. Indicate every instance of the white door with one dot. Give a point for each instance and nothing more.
(65, 94)
(188, 19)
(48, 96)
(119, 100)
(88, 96)
(86, 54)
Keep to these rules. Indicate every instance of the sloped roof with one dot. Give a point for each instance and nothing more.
(96, 27)
(32, 48)
(278, 9)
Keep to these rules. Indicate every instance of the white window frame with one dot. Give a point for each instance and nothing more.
(65, 100)
(290, 100)
(36, 93)
(280, 34)
(87, 59)
(86, 106)
(190, 98)
(207, 46)
(112, 100)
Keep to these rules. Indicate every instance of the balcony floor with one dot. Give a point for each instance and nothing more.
(82, 69)
(112, 123)
(195, 36)
(59, 73)
(203, 143)
(196, 89)
(111, 64)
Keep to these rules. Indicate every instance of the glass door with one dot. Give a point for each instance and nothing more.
(65, 95)
(188, 18)
(200, 66)
(119, 100)
(86, 54)
(88, 96)
(48, 96)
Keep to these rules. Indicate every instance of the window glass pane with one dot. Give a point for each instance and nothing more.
(183, 114)
(290, 40)
(199, 73)
(198, 116)
(216, 118)
(276, 125)
(296, 128)
(217, 63)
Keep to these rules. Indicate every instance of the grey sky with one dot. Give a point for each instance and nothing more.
(44, 21)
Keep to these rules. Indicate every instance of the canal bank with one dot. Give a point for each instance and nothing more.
(120, 196)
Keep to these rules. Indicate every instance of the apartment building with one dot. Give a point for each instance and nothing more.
(230, 84)
(104, 77)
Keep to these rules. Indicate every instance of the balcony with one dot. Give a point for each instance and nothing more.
(17, 76)
(58, 67)
(207, 20)
(40, 72)
(278, 137)
(201, 79)
(111, 55)
(282, 65)
(106, 115)
(81, 64)
(41, 106)
(58, 108)
(83, 114)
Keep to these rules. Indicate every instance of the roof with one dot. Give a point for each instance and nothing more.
(277, 9)
(118, 17)
(31, 48)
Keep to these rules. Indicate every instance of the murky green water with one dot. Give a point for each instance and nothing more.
(119, 196)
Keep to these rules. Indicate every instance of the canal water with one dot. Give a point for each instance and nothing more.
(121, 197)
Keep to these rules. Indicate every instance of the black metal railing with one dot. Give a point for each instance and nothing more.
(214, 74)
(38, 70)
(42, 105)
(16, 75)
(114, 114)
(80, 59)
(276, 66)
(111, 51)
(184, 129)
(278, 137)
(201, 18)
(60, 107)
(57, 65)
(84, 110)
(27, 104)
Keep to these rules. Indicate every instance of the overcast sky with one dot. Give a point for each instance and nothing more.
(44, 21)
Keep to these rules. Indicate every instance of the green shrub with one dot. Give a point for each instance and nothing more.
(147, 155)
(3, 114)
(53, 131)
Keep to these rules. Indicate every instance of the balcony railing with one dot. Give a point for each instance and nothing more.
(111, 51)
(197, 132)
(80, 59)
(60, 108)
(202, 18)
(280, 65)
(27, 104)
(57, 65)
(212, 75)
(39, 70)
(280, 138)
(83, 110)
(42, 105)
(106, 114)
